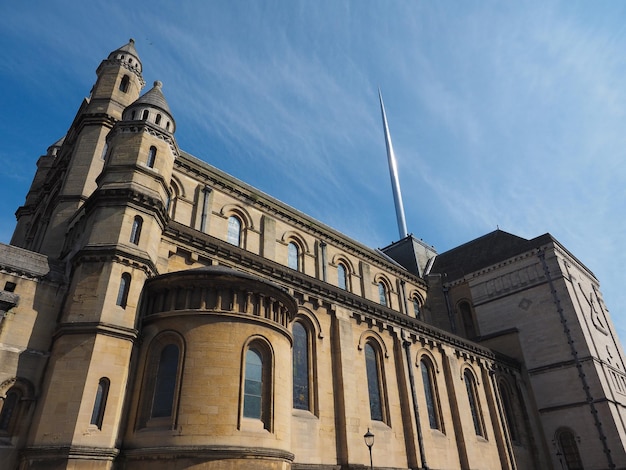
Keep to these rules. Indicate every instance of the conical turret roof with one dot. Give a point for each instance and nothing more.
(151, 106)
(154, 98)
(125, 52)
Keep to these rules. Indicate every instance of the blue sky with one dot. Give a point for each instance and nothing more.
(503, 114)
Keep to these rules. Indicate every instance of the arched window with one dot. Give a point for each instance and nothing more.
(253, 390)
(417, 307)
(158, 119)
(293, 256)
(167, 126)
(132, 115)
(144, 116)
(468, 320)
(382, 293)
(431, 395)
(257, 383)
(509, 414)
(301, 373)
(165, 384)
(151, 157)
(342, 276)
(124, 83)
(122, 293)
(234, 231)
(97, 415)
(8, 416)
(569, 449)
(374, 385)
(135, 233)
(474, 403)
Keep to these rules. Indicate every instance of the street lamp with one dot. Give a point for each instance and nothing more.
(369, 442)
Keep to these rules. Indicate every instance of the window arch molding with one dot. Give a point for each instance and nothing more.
(238, 211)
(291, 236)
(426, 353)
(307, 315)
(349, 268)
(311, 327)
(153, 360)
(380, 280)
(302, 249)
(370, 335)
(263, 348)
(416, 298)
(16, 396)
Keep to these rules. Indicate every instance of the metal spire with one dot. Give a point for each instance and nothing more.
(393, 173)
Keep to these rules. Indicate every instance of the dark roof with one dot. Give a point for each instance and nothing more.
(154, 98)
(484, 251)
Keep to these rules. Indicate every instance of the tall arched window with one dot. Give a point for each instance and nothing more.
(293, 256)
(165, 384)
(8, 416)
(342, 276)
(431, 395)
(144, 116)
(151, 157)
(569, 449)
(301, 372)
(122, 293)
(135, 233)
(417, 307)
(99, 405)
(468, 320)
(474, 403)
(257, 385)
(234, 231)
(124, 83)
(382, 293)
(253, 388)
(509, 414)
(158, 119)
(374, 384)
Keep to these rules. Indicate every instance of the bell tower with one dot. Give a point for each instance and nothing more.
(71, 177)
(112, 249)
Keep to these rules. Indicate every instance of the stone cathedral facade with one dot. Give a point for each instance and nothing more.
(158, 313)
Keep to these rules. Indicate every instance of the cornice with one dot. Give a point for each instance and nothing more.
(302, 285)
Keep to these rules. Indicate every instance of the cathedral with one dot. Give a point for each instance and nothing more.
(158, 313)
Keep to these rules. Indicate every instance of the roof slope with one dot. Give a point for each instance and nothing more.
(484, 251)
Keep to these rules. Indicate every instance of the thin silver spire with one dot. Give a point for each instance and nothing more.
(393, 173)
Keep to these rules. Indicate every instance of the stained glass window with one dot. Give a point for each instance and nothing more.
(373, 383)
(300, 367)
(470, 384)
(430, 394)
